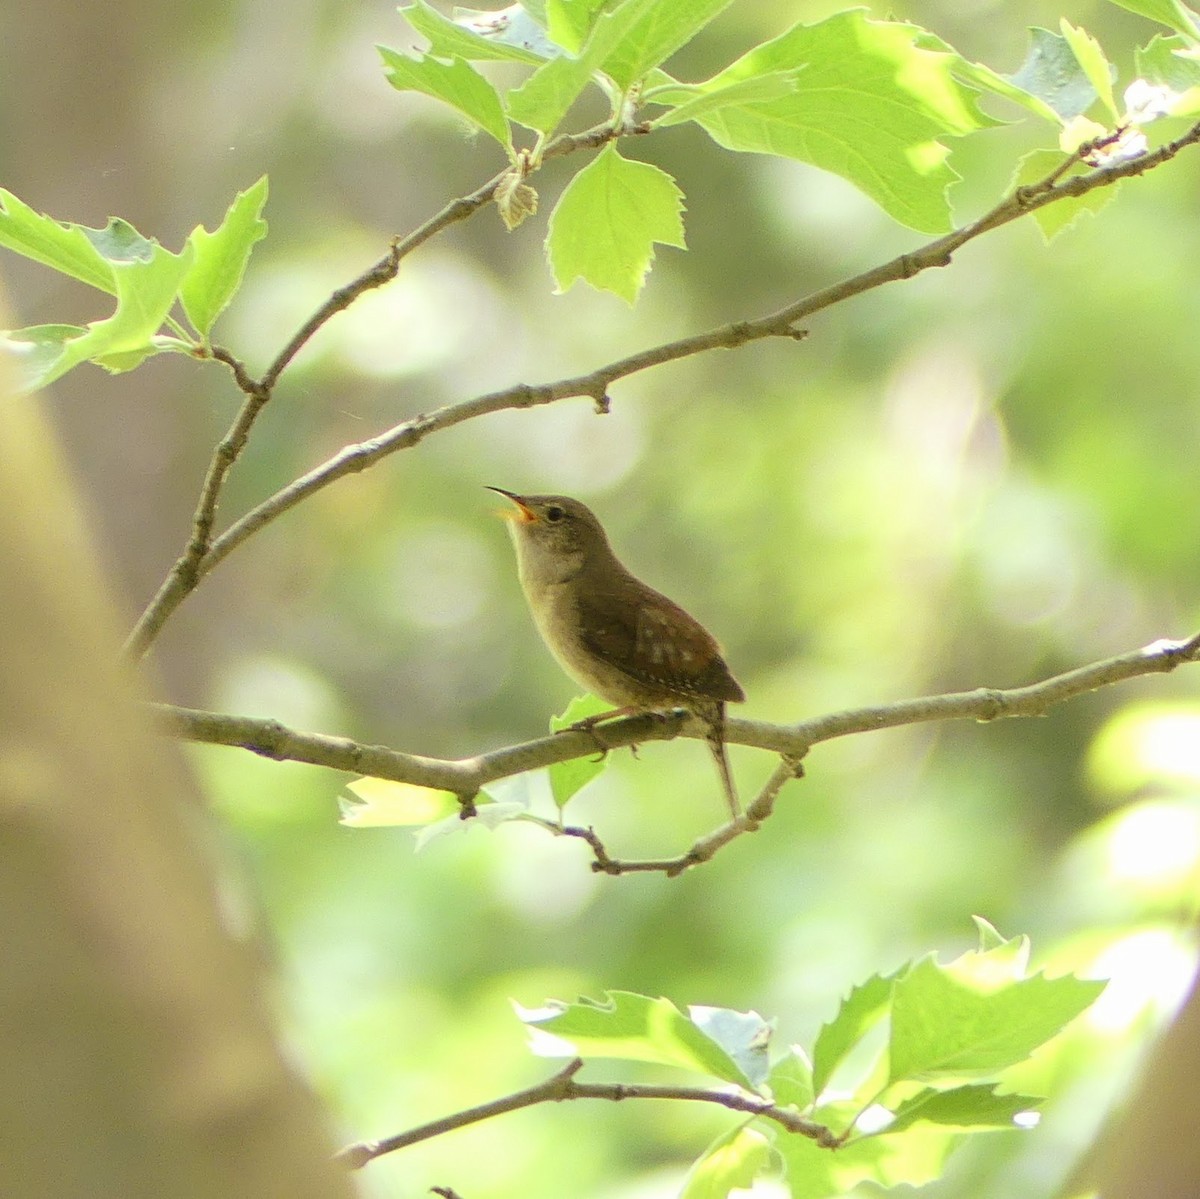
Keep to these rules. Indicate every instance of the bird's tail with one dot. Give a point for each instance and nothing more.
(716, 742)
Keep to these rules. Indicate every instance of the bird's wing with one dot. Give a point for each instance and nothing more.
(656, 643)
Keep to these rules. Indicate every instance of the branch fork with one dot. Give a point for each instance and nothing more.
(202, 553)
(466, 777)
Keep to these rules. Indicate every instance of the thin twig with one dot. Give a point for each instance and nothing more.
(562, 1086)
(388, 266)
(457, 210)
(384, 271)
(186, 573)
(703, 849)
(354, 1157)
(466, 776)
(187, 570)
(782, 323)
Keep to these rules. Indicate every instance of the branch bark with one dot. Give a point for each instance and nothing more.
(562, 1086)
(138, 1053)
(465, 777)
(186, 572)
(202, 554)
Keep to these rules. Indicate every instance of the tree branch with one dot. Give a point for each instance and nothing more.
(191, 565)
(185, 573)
(562, 1086)
(701, 850)
(197, 562)
(465, 777)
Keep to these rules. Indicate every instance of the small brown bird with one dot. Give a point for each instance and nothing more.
(622, 640)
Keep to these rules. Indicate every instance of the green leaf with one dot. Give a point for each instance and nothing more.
(625, 43)
(639, 35)
(808, 1170)
(976, 1015)
(989, 936)
(1166, 61)
(456, 83)
(870, 105)
(512, 27)
(65, 248)
(916, 1158)
(605, 224)
(119, 241)
(745, 1036)
(490, 814)
(580, 708)
(1095, 66)
(1166, 12)
(449, 39)
(629, 1026)
(145, 291)
(1053, 74)
(791, 1080)
(973, 1108)
(858, 1013)
(381, 803)
(731, 1163)
(1053, 219)
(544, 98)
(694, 101)
(566, 778)
(985, 79)
(997, 958)
(569, 22)
(35, 351)
(219, 258)
(117, 362)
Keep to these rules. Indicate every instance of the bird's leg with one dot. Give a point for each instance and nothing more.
(588, 725)
(714, 720)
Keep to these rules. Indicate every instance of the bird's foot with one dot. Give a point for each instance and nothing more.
(588, 725)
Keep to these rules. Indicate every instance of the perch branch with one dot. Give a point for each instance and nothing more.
(465, 777)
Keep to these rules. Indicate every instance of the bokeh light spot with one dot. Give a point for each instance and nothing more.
(1147, 744)
(1147, 970)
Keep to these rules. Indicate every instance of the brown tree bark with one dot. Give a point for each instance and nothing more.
(1151, 1148)
(137, 1053)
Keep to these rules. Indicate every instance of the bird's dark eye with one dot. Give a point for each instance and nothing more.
(555, 513)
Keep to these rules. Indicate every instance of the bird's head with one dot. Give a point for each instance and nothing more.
(555, 536)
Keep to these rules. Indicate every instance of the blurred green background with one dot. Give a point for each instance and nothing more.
(979, 477)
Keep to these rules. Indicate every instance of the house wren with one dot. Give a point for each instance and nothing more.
(622, 640)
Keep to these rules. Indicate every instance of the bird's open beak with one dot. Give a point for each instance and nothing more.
(524, 513)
